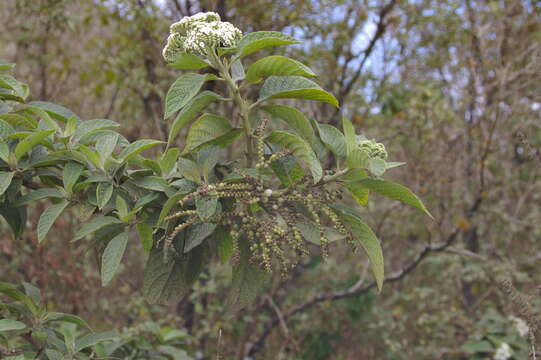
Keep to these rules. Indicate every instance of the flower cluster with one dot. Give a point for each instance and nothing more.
(521, 326)
(503, 352)
(373, 149)
(198, 33)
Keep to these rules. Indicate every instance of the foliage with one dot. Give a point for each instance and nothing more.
(189, 205)
(29, 331)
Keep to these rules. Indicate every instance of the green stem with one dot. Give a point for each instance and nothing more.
(244, 109)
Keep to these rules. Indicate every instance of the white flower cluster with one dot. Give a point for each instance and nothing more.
(195, 34)
(504, 352)
(520, 325)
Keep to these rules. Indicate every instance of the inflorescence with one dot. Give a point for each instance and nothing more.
(274, 238)
(199, 34)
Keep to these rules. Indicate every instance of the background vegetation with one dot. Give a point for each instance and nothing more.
(451, 88)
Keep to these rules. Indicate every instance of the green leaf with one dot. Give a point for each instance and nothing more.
(56, 111)
(206, 130)
(237, 70)
(294, 118)
(25, 122)
(169, 160)
(106, 145)
(145, 235)
(5, 129)
(88, 127)
(6, 65)
(10, 324)
(48, 217)
(38, 194)
(4, 151)
(30, 141)
(182, 91)
(154, 183)
(104, 191)
(93, 339)
(196, 233)
(185, 61)
(224, 243)
(394, 191)
(258, 40)
(349, 135)
(172, 201)
(377, 166)
(288, 170)
(5, 180)
(14, 216)
(333, 139)
(192, 108)
(248, 279)
(70, 175)
(136, 147)
(170, 281)
(189, 169)
(112, 256)
(14, 293)
(206, 208)
(58, 316)
(207, 158)
(94, 225)
(300, 149)
(276, 65)
(359, 192)
(370, 243)
(296, 87)
(9, 82)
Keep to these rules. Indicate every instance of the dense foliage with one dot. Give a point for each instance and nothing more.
(450, 87)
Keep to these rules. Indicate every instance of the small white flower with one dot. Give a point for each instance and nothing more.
(521, 326)
(268, 192)
(504, 352)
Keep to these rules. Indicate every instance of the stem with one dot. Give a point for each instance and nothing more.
(244, 109)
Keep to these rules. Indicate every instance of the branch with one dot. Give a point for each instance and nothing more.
(380, 30)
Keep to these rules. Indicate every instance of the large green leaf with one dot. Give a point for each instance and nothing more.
(359, 192)
(48, 217)
(206, 208)
(208, 129)
(196, 233)
(333, 139)
(93, 339)
(104, 191)
(94, 225)
(170, 281)
(5, 180)
(190, 170)
(11, 324)
(182, 91)
(185, 61)
(248, 279)
(288, 170)
(394, 191)
(370, 243)
(300, 150)
(145, 235)
(38, 194)
(105, 146)
(276, 65)
(9, 82)
(56, 111)
(71, 173)
(58, 316)
(30, 141)
(112, 256)
(194, 106)
(294, 118)
(88, 127)
(263, 39)
(136, 147)
(296, 87)
(14, 216)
